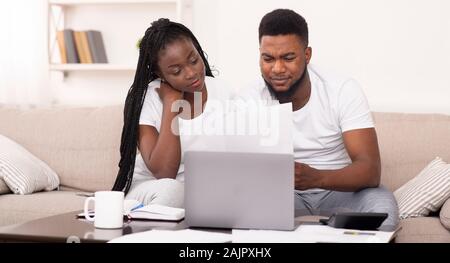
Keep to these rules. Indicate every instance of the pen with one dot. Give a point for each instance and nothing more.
(137, 207)
(359, 233)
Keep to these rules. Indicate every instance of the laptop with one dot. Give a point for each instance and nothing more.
(239, 190)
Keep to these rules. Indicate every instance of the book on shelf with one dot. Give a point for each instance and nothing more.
(69, 43)
(81, 46)
(96, 46)
(85, 47)
(61, 45)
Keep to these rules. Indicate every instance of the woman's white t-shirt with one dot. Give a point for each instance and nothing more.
(151, 114)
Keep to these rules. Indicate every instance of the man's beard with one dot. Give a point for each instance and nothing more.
(286, 96)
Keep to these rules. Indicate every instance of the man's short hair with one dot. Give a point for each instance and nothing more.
(283, 22)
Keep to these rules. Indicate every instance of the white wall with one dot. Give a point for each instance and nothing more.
(121, 26)
(23, 56)
(398, 50)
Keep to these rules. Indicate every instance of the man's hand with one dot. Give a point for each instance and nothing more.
(306, 177)
(168, 94)
(363, 172)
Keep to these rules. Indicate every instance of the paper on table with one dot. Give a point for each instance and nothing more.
(311, 234)
(267, 236)
(255, 128)
(174, 236)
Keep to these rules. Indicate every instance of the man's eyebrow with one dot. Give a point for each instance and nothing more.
(283, 55)
(289, 54)
(266, 55)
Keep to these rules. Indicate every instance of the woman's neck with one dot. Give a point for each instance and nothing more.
(197, 101)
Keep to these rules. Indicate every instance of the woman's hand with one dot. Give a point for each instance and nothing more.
(167, 93)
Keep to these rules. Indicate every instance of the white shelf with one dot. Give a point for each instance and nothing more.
(121, 22)
(97, 2)
(91, 67)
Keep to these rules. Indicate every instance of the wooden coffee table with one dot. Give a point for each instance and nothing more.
(67, 228)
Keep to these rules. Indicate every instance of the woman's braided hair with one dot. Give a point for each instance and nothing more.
(161, 33)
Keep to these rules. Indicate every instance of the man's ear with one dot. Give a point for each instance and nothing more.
(308, 54)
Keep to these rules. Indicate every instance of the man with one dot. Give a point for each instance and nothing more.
(337, 161)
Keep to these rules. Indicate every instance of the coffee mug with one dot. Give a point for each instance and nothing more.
(104, 234)
(108, 209)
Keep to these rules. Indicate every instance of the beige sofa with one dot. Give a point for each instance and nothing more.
(81, 145)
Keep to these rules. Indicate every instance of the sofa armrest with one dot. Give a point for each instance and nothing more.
(445, 214)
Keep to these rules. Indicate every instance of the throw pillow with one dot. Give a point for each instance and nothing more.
(4, 189)
(23, 172)
(445, 214)
(426, 192)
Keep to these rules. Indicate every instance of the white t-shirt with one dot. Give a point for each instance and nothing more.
(337, 104)
(151, 113)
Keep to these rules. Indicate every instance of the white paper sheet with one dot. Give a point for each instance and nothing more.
(174, 236)
(255, 128)
(311, 234)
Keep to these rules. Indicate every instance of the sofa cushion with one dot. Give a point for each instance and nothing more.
(80, 144)
(445, 214)
(21, 208)
(422, 230)
(23, 172)
(4, 189)
(426, 192)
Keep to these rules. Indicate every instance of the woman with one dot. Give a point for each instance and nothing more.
(171, 67)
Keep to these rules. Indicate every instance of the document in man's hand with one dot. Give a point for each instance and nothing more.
(157, 212)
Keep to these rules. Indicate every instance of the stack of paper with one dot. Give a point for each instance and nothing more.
(255, 128)
(174, 236)
(311, 234)
(302, 234)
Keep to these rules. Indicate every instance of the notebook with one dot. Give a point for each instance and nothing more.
(133, 209)
(157, 212)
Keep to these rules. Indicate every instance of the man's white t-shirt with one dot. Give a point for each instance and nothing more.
(337, 104)
(151, 114)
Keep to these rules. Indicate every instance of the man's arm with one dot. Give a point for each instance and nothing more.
(363, 172)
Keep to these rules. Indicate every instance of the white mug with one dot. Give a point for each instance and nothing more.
(108, 209)
(104, 234)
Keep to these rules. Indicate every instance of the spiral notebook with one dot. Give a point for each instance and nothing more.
(133, 209)
(157, 212)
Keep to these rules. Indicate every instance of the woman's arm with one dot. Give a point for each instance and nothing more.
(162, 151)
